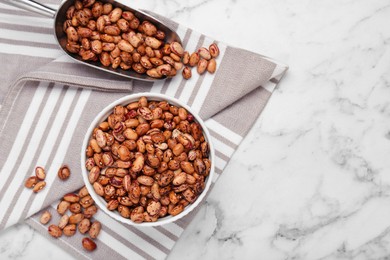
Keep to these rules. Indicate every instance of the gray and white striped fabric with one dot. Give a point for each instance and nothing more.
(48, 101)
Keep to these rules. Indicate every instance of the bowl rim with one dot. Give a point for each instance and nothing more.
(104, 114)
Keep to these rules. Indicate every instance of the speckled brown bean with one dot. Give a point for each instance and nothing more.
(63, 173)
(112, 30)
(96, 148)
(137, 214)
(112, 204)
(145, 180)
(71, 197)
(214, 50)
(97, 9)
(175, 57)
(40, 173)
(39, 186)
(90, 211)
(153, 73)
(176, 210)
(70, 12)
(72, 47)
(202, 66)
(98, 188)
(155, 191)
(179, 178)
(92, 26)
(166, 178)
(138, 164)
(55, 231)
(86, 44)
(152, 42)
(107, 8)
(63, 221)
(45, 217)
(177, 149)
(76, 218)
(88, 244)
(89, 151)
(72, 34)
(148, 28)
(95, 229)
(186, 58)
(212, 66)
(94, 174)
(137, 67)
(69, 230)
(123, 25)
(194, 59)
(164, 69)
(86, 201)
(84, 32)
(124, 211)
(127, 15)
(159, 35)
(153, 207)
(187, 167)
(204, 53)
(75, 208)
(125, 46)
(31, 182)
(177, 49)
(115, 15)
(134, 23)
(83, 192)
(84, 226)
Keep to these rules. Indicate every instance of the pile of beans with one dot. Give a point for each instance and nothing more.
(80, 205)
(148, 159)
(117, 38)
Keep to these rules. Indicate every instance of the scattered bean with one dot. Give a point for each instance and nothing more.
(45, 217)
(88, 244)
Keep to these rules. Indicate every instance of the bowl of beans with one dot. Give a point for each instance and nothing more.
(147, 159)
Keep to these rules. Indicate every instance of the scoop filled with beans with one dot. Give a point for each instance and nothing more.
(147, 160)
(119, 40)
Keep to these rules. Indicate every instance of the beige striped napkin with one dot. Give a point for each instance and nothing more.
(49, 105)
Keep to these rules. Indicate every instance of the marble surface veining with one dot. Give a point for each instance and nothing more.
(312, 178)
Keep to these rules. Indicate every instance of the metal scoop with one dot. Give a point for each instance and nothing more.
(60, 17)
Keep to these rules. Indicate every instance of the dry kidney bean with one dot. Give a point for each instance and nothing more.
(159, 166)
(69, 230)
(95, 229)
(88, 244)
(211, 66)
(54, 231)
(40, 173)
(64, 220)
(45, 217)
(86, 201)
(76, 218)
(75, 208)
(39, 186)
(31, 182)
(90, 211)
(64, 172)
(84, 226)
(71, 197)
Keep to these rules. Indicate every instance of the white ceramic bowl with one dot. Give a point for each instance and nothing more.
(101, 203)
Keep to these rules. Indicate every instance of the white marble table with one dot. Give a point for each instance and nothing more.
(312, 179)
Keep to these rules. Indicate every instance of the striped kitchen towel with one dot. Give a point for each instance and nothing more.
(48, 101)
